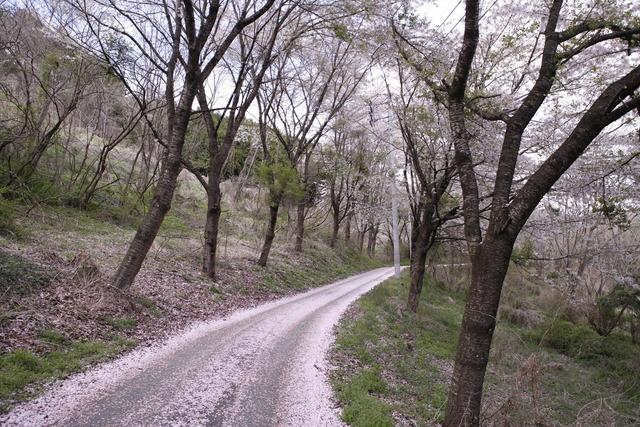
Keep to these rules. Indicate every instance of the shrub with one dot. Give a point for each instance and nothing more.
(573, 340)
(607, 313)
(282, 180)
(521, 316)
(615, 352)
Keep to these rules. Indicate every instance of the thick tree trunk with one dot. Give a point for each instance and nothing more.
(300, 226)
(271, 233)
(419, 259)
(212, 226)
(335, 230)
(417, 277)
(217, 157)
(488, 269)
(161, 201)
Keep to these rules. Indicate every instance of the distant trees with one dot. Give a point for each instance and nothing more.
(372, 203)
(110, 80)
(62, 107)
(307, 89)
(345, 168)
(43, 85)
(350, 158)
(587, 235)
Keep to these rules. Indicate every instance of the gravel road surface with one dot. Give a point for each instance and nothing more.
(259, 367)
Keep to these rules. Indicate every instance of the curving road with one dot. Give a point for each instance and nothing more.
(259, 367)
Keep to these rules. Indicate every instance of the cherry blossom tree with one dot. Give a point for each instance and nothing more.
(576, 43)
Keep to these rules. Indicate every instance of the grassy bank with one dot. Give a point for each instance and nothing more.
(23, 373)
(393, 366)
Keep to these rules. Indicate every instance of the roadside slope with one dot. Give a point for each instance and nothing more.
(58, 313)
(393, 367)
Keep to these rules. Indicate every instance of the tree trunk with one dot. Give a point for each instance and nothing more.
(371, 242)
(271, 233)
(335, 230)
(361, 235)
(161, 201)
(419, 259)
(217, 157)
(375, 240)
(148, 229)
(634, 326)
(415, 229)
(300, 226)
(347, 229)
(212, 226)
(488, 269)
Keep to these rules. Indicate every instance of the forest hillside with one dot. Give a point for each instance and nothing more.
(175, 164)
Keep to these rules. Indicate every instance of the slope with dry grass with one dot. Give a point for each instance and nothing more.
(60, 314)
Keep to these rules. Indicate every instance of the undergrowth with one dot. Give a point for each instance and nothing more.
(393, 366)
(8, 215)
(611, 358)
(19, 276)
(407, 347)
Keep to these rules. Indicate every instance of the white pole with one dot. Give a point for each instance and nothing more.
(410, 233)
(394, 224)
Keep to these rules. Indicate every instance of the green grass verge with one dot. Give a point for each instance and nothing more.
(393, 361)
(405, 346)
(364, 408)
(21, 371)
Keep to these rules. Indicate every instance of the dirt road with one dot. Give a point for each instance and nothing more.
(259, 367)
